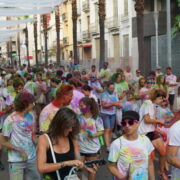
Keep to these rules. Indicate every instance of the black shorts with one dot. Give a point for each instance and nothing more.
(153, 135)
(91, 154)
(171, 99)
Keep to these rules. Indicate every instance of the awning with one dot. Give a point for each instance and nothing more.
(30, 57)
(87, 45)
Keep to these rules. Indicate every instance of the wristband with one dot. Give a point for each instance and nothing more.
(61, 165)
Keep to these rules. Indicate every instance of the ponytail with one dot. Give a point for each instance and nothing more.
(93, 106)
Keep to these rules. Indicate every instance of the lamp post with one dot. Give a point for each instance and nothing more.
(168, 10)
(156, 19)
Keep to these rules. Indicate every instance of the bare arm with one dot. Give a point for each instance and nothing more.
(99, 133)
(151, 169)
(43, 166)
(148, 120)
(6, 143)
(114, 171)
(105, 105)
(171, 153)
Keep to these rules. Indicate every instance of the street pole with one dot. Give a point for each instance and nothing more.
(168, 9)
(156, 19)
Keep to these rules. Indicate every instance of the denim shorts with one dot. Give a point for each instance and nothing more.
(108, 121)
(24, 170)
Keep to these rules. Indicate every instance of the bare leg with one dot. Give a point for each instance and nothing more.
(160, 147)
(107, 137)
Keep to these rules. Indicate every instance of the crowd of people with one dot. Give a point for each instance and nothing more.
(53, 119)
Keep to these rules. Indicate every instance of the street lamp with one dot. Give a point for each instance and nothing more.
(156, 19)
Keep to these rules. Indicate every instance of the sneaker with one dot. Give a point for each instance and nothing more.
(1, 166)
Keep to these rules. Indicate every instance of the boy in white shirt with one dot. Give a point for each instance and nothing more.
(130, 155)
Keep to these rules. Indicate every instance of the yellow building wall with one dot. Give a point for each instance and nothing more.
(67, 28)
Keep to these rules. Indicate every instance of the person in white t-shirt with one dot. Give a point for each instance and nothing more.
(128, 75)
(173, 150)
(130, 155)
(105, 73)
(148, 124)
(171, 80)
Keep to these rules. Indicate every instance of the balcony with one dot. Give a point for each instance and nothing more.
(64, 17)
(112, 23)
(94, 29)
(86, 35)
(65, 41)
(85, 6)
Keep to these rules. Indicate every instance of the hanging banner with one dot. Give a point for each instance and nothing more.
(6, 31)
(8, 23)
(24, 12)
(30, 4)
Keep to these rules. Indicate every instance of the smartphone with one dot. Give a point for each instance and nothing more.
(99, 162)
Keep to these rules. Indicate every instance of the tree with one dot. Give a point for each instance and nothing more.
(44, 17)
(58, 50)
(19, 48)
(102, 16)
(176, 26)
(74, 19)
(27, 44)
(139, 7)
(35, 40)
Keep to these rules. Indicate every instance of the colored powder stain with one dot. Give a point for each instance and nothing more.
(8, 127)
(13, 168)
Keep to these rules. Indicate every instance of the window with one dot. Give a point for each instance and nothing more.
(126, 47)
(125, 7)
(149, 5)
(96, 12)
(88, 23)
(115, 8)
(80, 25)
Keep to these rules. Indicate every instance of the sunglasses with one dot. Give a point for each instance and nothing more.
(129, 122)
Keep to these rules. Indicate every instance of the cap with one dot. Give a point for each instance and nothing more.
(130, 115)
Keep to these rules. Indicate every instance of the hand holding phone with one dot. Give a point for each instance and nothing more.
(99, 162)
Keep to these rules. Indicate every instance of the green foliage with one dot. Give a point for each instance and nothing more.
(176, 27)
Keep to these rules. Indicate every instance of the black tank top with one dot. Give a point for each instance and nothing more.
(60, 158)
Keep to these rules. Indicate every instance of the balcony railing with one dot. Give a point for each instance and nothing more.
(94, 29)
(112, 23)
(86, 35)
(65, 41)
(64, 17)
(85, 6)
